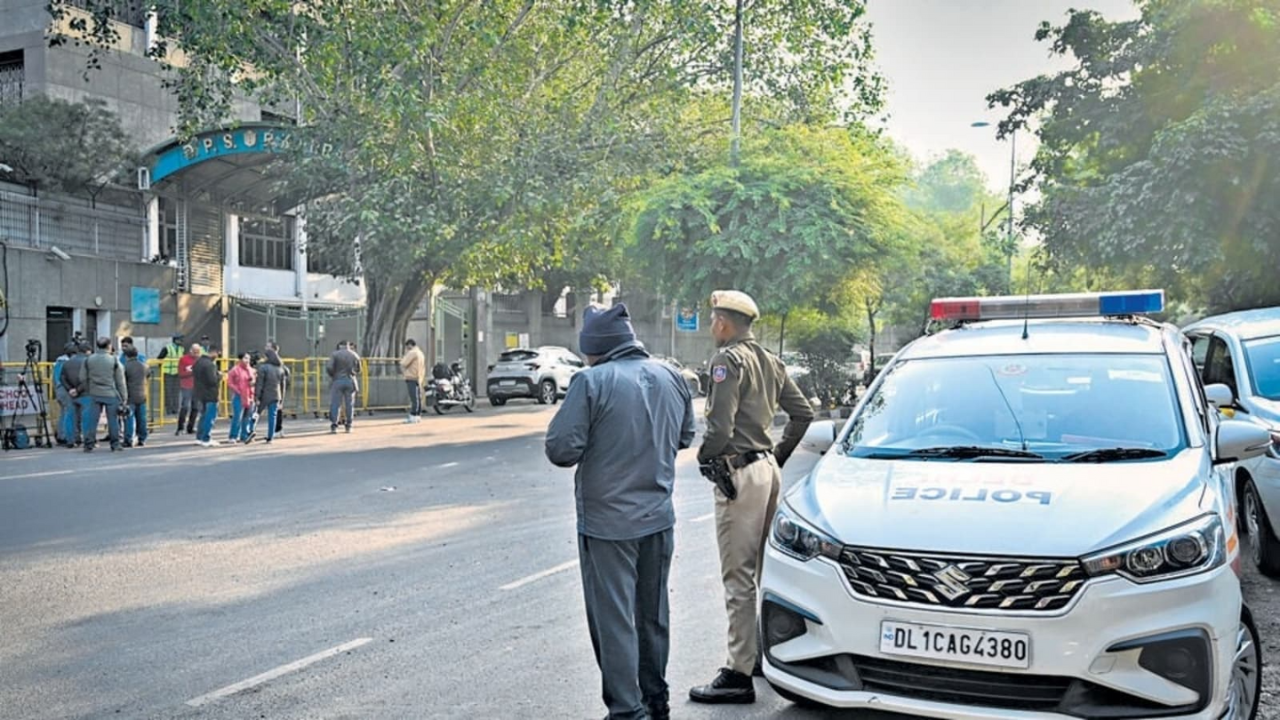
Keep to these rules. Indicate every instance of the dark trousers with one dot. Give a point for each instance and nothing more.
(415, 396)
(342, 394)
(170, 394)
(624, 583)
(93, 410)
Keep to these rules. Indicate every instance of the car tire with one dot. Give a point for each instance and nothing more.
(497, 401)
(1264, 548)
(794, 699)
(547, 392)
(1244, 691)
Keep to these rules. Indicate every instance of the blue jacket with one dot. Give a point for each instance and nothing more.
(622, 423)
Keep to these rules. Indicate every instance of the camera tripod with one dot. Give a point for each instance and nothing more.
(42, 438)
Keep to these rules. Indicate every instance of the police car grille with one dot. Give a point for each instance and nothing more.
(976, 583)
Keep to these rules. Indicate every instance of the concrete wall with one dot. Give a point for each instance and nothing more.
(38, 281)
(691, 348)
(129, 82)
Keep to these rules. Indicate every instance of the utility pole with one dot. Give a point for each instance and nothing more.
(736, 141)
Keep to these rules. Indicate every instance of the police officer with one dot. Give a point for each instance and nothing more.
(748, 383)
(169, 357)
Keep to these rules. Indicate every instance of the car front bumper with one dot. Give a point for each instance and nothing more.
(1084, 661)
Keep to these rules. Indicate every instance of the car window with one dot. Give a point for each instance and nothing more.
(517, 356)
(571, 360)
(1052, 405)
(1199, 349)
(1191, 372)
(1219, 367)
(1263, 358)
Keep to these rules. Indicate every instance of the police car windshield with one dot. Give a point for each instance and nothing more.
(1264, 366)
(1052, 405)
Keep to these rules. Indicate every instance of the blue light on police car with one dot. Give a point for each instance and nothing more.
(1131, 303)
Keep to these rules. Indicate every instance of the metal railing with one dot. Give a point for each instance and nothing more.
(72, 225)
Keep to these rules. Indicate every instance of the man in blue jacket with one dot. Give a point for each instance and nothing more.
(622, 423)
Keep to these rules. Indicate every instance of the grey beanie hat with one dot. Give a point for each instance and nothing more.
(604, 329)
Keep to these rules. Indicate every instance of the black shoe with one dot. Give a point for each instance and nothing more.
(729, 688)
(348, 429)
(659, 708)
(127, 443)
(116, 448)
(141, 443)
(88, 448)
(177, 432)
(333, 429)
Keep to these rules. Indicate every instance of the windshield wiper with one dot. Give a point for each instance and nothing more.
(969, 452)
(1116, 453)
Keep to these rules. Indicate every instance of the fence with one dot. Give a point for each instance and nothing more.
(381, 388)
(72, 224)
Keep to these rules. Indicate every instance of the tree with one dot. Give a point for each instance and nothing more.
(804, 206)
(1158, 151)
(63, 146)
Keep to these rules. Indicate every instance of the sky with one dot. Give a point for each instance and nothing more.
(940, 59)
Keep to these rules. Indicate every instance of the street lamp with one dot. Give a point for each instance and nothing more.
(1013, 177)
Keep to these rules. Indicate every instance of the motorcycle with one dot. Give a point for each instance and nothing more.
(449, 388)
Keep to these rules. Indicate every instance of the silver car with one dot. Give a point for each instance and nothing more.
(1242, 351)
(541, 373)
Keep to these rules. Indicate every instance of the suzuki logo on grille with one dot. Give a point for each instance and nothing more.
(953, 583)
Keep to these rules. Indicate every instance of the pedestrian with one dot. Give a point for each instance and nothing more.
(240, 381)
(748, 383)
(136, 374)
(622, 423)
(78, 392)
(187, 410)
(205, 396)
(169, 356)
(67, 422)
(103, 381)
(269, 389)
(414, 367)
(284, 386)
(342, 369)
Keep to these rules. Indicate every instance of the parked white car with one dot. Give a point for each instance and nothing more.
(540, 373)
(1024, 518)
(1242, 352)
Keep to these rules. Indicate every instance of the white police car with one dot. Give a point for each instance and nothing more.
(1029, 517)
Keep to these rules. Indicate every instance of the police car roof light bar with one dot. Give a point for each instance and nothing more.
(1011, 307)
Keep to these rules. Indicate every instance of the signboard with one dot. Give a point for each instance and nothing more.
(145, 305)
(18, 401)
(687, 320)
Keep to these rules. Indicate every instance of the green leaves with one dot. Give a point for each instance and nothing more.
(1157, 160)
(63, 146)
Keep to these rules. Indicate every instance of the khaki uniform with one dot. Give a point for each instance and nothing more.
(748, 384)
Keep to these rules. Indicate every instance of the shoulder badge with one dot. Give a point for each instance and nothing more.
(719, 373)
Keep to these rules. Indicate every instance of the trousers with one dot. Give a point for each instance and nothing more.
(342, 394)
(135, 426)
(415, 396)
(93, 410)
(742, 527)
(624, 583)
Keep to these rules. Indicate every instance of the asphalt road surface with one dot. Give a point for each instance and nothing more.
(402, 571)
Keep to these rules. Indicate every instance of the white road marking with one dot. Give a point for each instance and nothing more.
(704, 518)
(538, 576)
(277, 672)
(449, 465)
(41, 474)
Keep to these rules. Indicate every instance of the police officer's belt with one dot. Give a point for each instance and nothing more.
(737, 462)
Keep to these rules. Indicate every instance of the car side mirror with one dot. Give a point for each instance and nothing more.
(1240, 440)
(1220, 395)
(819, 437)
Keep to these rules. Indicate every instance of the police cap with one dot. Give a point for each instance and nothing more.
(735, 300)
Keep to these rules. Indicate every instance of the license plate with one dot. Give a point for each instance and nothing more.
(936, 642)
(506, 383)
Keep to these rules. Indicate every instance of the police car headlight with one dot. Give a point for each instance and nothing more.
(798, 539)
(1186, 549)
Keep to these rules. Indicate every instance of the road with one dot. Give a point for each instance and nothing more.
(397, 572)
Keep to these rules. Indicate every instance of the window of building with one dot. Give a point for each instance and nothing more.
(13, 75)
(129, 12)
(266, 243)
(168, 228)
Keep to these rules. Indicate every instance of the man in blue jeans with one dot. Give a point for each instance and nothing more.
(207, 380)
(136, 373)
(267, 391)
(103, 380)
(342, 368)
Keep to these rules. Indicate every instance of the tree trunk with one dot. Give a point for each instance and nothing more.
(736, 140)
(388, 312)
(782, 333)
(871, 323)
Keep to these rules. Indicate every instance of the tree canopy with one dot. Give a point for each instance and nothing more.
(1160, 148)
(62, 146)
